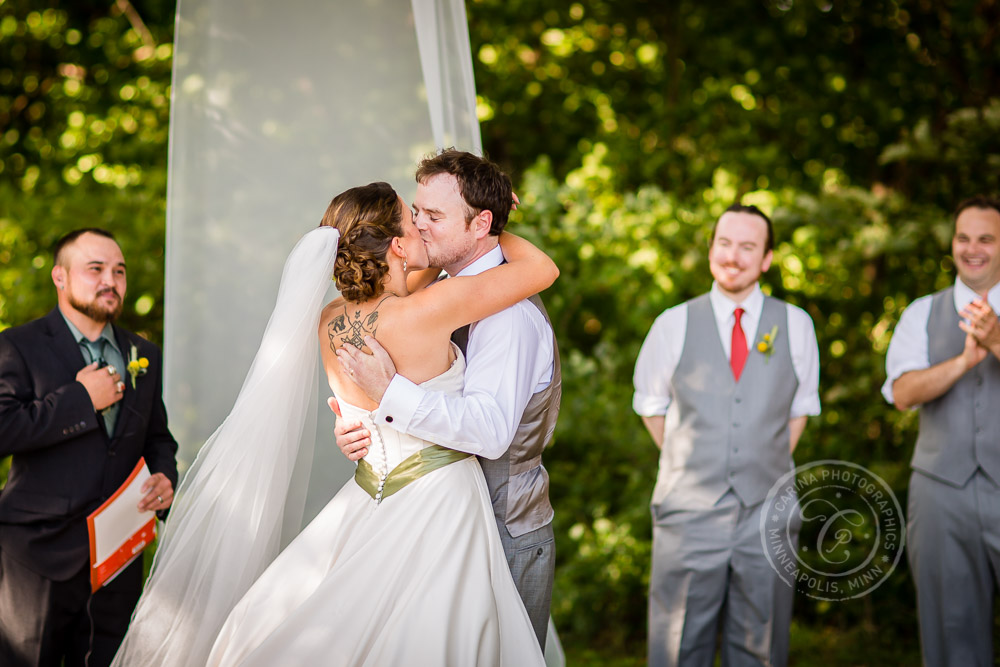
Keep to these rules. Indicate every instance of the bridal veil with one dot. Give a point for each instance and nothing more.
(226, 520)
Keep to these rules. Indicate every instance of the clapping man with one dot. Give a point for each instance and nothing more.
(943, 359)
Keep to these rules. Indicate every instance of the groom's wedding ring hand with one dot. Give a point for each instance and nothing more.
(104, 385)
(371, 372)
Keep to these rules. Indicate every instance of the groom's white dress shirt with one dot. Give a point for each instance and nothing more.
(509, 358)
(908, 349)
(664, 344)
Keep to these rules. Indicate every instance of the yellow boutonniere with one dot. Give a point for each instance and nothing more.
(136, 365)
(766, 343)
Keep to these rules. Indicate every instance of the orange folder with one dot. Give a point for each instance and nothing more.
(118, 530)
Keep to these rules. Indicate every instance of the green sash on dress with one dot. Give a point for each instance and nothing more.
(409, 470)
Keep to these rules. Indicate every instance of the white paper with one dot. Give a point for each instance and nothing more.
(121, 519)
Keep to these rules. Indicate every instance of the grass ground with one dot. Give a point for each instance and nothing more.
(810, 647)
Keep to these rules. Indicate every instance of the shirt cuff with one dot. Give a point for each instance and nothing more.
(647, 405)
(809, 407)
(898, 372)
(399, 404)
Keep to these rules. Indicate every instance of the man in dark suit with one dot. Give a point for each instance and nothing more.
(75, 428)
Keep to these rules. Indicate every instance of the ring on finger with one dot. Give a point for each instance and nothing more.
(120, 386)
(111, 369)
(159, 499)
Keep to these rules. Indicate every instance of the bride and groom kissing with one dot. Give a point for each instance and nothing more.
(440, 550)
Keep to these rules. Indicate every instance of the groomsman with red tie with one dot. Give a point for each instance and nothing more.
(724, 383)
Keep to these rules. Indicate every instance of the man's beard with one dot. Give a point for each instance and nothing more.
(446, 257)
(96, 310)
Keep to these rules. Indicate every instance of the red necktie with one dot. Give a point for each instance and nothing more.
(738, 349)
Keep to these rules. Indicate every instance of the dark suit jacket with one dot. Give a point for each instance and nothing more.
(64, 465)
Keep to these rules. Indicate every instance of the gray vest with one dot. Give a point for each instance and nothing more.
(722, 434)
(518, 482)
(959, 430)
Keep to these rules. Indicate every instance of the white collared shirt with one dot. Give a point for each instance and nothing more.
(908, 347)
(510, 357)
(661, 351)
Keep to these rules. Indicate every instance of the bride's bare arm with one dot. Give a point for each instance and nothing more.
(455, 302)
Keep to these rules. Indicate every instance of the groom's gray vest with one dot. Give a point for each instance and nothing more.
(959, 430)
(518, 482)
(721, 434)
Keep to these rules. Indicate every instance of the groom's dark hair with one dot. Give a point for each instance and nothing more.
(482, 184)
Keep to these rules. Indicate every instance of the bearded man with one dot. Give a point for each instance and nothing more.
(75, 429)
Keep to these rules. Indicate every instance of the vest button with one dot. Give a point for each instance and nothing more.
(738, 400)
(736, 424)
(388, 420)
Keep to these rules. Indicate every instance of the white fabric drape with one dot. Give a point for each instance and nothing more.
(277, 107)
(446, 61)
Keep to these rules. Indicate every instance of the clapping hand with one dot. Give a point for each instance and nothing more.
(981, 323)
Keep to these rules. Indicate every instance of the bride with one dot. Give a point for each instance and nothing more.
(404, 565)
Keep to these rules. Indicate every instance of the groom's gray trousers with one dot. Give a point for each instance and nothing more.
(531, 555)
(532, 561)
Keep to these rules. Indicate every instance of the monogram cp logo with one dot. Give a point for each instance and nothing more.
(832, 529)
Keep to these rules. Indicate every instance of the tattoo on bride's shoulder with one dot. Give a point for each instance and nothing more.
(348, 328)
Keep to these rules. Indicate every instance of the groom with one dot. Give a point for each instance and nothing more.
(508, 410)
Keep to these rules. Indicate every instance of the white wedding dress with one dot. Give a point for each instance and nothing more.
(419, 578)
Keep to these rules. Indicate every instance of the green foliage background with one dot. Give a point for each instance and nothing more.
(628, 126)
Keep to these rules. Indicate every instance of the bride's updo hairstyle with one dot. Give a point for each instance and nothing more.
(368, 217)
